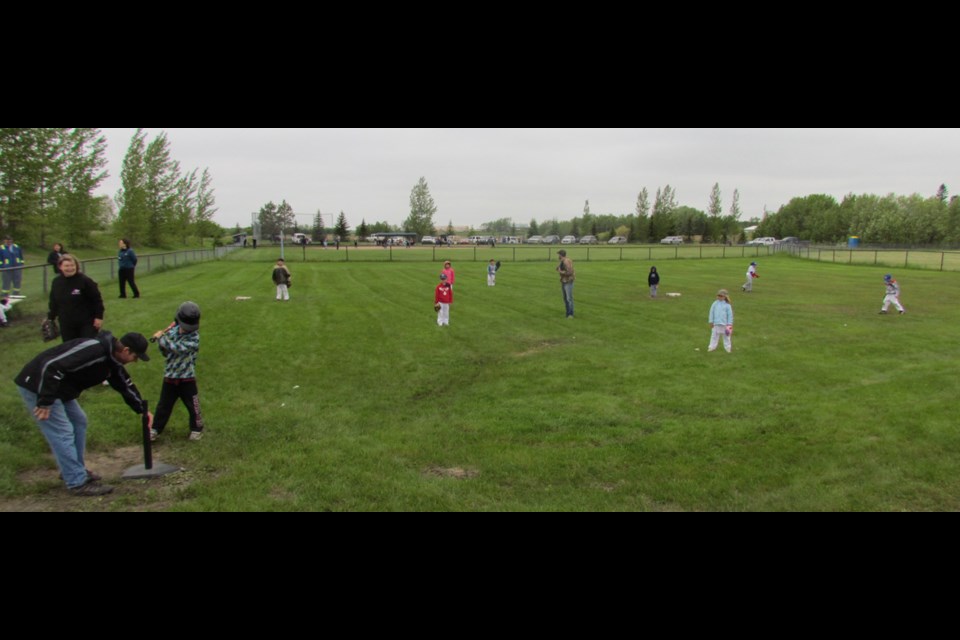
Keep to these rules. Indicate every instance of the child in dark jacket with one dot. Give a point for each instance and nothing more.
(281, 278)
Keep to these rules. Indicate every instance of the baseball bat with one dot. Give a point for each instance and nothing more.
(172, 325)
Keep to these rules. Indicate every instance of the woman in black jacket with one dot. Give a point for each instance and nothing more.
(54, 258)
(76, 300)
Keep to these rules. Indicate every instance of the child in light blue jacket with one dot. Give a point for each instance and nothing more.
(721, 322)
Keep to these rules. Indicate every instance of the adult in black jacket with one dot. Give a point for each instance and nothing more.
(54, 258)
(76, 300)
(51, 384)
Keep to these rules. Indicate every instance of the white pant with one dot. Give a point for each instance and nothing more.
(282, 292)
(891, 299)
(491, 280)
(720, 330)
(443, 317)
(748, 285)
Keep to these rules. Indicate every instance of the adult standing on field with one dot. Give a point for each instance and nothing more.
(76, 300)
(11, 262)
(51, 384)
(567, 277)
(53, 259)
(128, 265)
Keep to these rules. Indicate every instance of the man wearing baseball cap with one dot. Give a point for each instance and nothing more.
(51, 384)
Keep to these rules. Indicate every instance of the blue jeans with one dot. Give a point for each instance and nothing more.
(66, 433)
(567, 288)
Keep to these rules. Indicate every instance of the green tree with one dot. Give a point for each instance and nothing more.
(285, 218)
(661, 220)
(422, 210)
(642, 225)
(185, 206)
(534, 229)
(132, 198)
(205, 206)
(942, 194)
(319, 232)
(161, 175)
(342, 229)
(362, 230)
(84, 169)
(269, 221)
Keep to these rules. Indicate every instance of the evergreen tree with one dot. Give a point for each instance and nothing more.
(422, 210)
(641, 230)
(362, 230)
(319, 232)
(735, 205)
(534, 229)
(342, 229)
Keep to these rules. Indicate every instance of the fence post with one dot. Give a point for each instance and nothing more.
(876, 255)
(621, 254)
(906, 259)
(941, 260)
(514, 254)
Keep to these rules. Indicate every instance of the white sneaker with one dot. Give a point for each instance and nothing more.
(196, 435)
(154, 435)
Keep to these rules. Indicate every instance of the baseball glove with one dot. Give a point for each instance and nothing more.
(436, 307)
(497, 266)
(49, 330)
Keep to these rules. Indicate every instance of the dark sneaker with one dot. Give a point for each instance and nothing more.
(883, 313)
(902, 312)
(91, 476)
(92, 489)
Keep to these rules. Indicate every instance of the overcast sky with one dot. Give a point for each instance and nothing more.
(479, 175)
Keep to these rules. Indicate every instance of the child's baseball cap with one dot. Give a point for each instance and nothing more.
(888, 277)
(443, 276)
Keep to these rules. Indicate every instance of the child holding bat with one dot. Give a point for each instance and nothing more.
(180, 345)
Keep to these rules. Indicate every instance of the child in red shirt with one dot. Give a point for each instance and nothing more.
(442, 299)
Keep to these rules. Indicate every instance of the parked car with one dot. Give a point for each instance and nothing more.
(790, 240)
(569, 240)
(300, 238)
(766, 241)
(672, 240)
(551, 239)
(428, 240)
(617, 240)
(588, 240)
(535, 240)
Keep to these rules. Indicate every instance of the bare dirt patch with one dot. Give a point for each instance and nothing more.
(48, 493)
(457, 473)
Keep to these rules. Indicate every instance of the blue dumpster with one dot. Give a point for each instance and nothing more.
(853, 242)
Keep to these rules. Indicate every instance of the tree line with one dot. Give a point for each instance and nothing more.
(158, 202)
(890, 219)
(48, 177)
(47, 180)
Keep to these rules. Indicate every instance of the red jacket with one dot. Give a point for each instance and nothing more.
(444, 293)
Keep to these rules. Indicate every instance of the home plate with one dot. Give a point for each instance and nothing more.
(674, 295)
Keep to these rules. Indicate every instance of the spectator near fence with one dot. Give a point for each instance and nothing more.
(11, 262)
(53, 259)
(128, 265)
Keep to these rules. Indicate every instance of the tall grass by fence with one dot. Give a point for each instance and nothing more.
(36, 279)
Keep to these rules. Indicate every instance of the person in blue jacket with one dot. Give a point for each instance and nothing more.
(11, 261)
(721, 322)
(128, 265)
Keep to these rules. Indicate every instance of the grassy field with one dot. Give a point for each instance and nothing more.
(351, 398)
